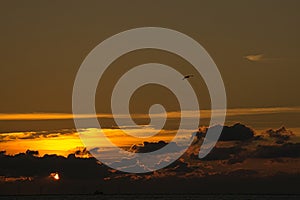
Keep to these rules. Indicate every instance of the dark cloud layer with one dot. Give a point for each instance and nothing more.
(244, 137)
(151, 146)
(30, 165)
(223, 153)
(237, 144)
(288, 150)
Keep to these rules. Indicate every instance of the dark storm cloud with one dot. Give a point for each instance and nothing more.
(237, 132)
(281, 135)
(244, 137)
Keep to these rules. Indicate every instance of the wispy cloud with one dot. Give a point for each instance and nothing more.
(4, 137)
(190, 113)
(47, 116)
(255, 57)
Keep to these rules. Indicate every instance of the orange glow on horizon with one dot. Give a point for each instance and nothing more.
(69, 143)
(66, 144)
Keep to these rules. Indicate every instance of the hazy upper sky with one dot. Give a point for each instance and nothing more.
(255, 45)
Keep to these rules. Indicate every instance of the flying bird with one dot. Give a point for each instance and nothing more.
(188, 76)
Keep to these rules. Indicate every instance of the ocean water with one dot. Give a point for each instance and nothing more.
(150, 197)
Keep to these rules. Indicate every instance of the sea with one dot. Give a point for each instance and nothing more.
(151, 197)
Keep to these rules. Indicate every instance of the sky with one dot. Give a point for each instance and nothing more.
(255, 45)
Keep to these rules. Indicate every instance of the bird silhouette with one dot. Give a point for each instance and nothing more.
(188, 76)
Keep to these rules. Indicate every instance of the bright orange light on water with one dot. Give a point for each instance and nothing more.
(55, 176)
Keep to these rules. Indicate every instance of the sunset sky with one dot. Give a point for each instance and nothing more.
(255, 45)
